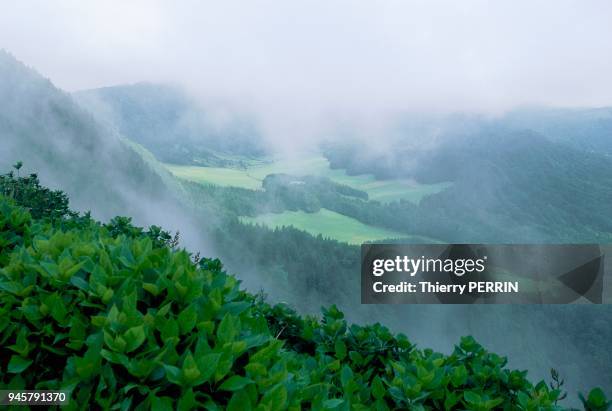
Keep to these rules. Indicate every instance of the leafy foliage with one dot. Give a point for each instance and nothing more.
(596, 401)
(47, 204)
(122, 322)
(39, 200)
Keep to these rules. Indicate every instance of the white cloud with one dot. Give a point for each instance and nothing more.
(294, 62)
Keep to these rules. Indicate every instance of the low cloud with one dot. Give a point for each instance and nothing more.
(300, 66)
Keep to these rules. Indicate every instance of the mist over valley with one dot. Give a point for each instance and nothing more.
(278, 138)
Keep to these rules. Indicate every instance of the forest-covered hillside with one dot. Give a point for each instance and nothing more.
(532, 175)
(68, 146)
(587, 129)
(173, 126)
(508, 185)
(122, 317)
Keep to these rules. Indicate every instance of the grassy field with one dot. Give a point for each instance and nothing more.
(327, 223)
(216, 175)
(251, 177)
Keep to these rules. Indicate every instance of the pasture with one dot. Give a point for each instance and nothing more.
(251, 176)
(327, 223)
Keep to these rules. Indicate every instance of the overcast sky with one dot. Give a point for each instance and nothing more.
(318, 56)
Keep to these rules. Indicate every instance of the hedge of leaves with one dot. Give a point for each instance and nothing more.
(125, 322)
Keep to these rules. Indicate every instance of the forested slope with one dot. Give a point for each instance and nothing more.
(509, 185)
(54, 136)
(172, 125)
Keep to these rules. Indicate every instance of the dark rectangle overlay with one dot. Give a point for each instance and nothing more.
(34, 397)
(483, 273)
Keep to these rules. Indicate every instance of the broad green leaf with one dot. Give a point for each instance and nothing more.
(333, 403)
(378, 389)
(173, 374)
(240, 401)
(134, 337)
(346, 376)
(459, 376)
(234, 383)
(228, 329)
(491, 404)
(340, 348)
(208, 364)
(471, 397)
(276, 398)
(523, 399)
(451, 400)
(18, 364)
(79, 283)
(161, 403)
(187, 401)
(190, 369)
(187, 319)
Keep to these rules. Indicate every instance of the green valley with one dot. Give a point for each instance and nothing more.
(327, 223)
(254, 171)
(335, 223)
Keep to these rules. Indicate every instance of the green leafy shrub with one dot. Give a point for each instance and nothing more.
(122, 321)
(596, 401)
(40, 201)
(53, 205)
